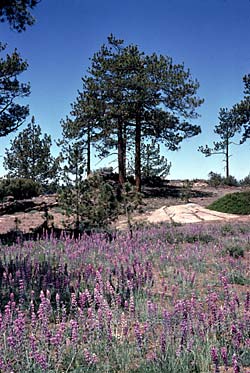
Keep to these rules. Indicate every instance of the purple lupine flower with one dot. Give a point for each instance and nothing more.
(236, 367)
(100, 319)
(12, 302)
(225, 283)
(74, 331)
(124, 325)
(90, 358)
(109, 330)
(73, 303)
(89, 297)
(215, 359)
(224, 356)
(138, 334)
(57, 308)
(163, 343)
(151, 356)
(237, 336)
(82, 300)
(2, 366)
(247, 302)
(131, 305)
(11, 341)
(118, 300)
(19, 326)
(41, 359)
(1, 321)
(32, 344)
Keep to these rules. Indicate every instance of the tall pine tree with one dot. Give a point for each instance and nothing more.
(12, 114)
(139, 97)
(241, 111)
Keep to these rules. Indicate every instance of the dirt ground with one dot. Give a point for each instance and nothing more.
(169, 194)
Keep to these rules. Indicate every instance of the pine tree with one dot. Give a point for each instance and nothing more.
(91, 202)
(153, 164)
(73, 166)
(17, 13)
(226, 129)
(12, 115)
(30, 157)
(140, 96)
(241, 111)
(82, 124)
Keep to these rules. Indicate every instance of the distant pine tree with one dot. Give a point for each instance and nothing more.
(30, 156)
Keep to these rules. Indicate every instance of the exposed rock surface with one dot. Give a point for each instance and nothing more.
(188, 213)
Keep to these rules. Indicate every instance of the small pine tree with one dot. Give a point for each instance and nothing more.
(226, 129)
(153, 164)
(29, 156)
(73, 173)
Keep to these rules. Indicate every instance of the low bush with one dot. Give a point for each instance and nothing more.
(19, 188)
(245, 181)
(216, 180)
(235, 251)
(233, 203)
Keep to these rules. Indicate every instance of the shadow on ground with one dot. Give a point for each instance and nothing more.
(171, 191)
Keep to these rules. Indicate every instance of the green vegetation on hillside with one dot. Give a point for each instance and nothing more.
(234, 203)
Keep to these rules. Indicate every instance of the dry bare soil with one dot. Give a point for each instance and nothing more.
(31, 212)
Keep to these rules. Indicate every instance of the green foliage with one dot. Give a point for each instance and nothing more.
(234, 203)
(129, 200)
(216, 180)
(92, 202)
(186, 193)
(245, 181)
(17, 13)
(236, 251)
(241, 110)
(12, 115)
(153, 164)
(29, 156)
(99, 203)
(19, 188)
(236, 277)
(226, 129)
(72, 167)
(130, 96)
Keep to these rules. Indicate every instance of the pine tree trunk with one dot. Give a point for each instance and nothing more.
(88, 151)
(121, 155)
(138, 153)
(227, 158)
(125, 152)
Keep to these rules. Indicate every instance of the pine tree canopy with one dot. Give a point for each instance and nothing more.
(12, 115)
(29, 156)
(17, 13)
(242, 110)
(128, 96)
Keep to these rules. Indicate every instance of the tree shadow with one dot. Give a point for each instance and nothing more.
(172, 191)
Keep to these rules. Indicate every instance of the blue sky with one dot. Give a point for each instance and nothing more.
(211, 38)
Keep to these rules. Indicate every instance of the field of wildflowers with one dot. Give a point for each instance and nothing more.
(170, 299)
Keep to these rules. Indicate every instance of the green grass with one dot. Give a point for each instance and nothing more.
(234, 203)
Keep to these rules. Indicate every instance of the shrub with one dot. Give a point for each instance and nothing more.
(230, 181)
(214, 179)
(233, 203)
(218, 180)
(19, 188)
(245, 181)
(235, 251)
